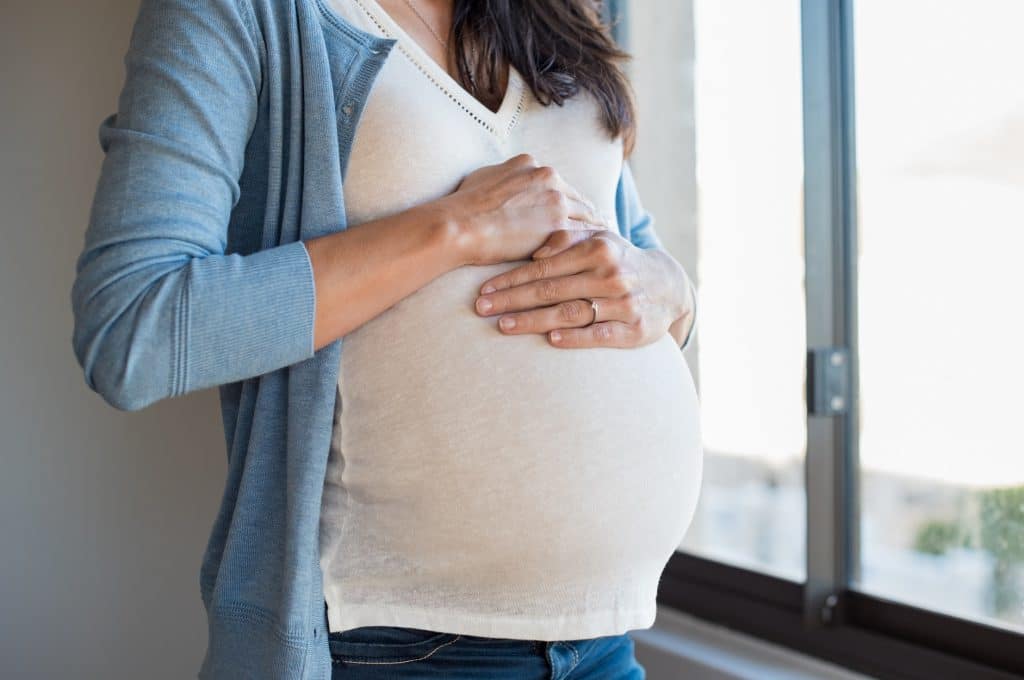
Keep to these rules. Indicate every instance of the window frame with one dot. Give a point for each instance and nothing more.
(826, 616)
(868, 634)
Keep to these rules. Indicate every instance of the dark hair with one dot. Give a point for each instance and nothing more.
(559, 46)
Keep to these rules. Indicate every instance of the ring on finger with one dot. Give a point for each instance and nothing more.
(593, 305)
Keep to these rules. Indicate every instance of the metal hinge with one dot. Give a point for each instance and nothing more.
(829, 614)
(828, 381)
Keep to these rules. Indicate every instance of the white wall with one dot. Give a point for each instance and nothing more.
(103, 514)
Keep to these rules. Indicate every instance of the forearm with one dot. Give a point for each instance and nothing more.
(362, 271)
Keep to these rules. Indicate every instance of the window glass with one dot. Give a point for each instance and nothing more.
(719, 165)
(940, 130)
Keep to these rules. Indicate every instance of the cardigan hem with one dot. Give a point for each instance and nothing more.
(246, 641)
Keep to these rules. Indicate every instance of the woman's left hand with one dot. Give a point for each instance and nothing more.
(639, 292)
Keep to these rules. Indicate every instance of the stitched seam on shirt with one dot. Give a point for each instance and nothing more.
(455, 99)
(245, 8)
(252, 24)
(182, 339)
(519, 108)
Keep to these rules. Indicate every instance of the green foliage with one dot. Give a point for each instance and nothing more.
(935, 537)
(998, 529)
(1002, 523)
(1002, 535)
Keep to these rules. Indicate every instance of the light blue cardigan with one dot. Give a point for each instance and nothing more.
(227, 150)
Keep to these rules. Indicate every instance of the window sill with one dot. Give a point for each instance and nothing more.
(682, 646)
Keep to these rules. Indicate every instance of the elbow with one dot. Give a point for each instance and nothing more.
(121, 346)
(124, 400)
(108, 374)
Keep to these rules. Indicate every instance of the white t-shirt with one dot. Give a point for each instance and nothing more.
(480, 483)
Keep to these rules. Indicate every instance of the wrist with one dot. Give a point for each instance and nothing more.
(452, 227)
(674, 294)
(448, 232)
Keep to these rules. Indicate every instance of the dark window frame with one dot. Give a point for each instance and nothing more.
(826, 616)
(883, 638)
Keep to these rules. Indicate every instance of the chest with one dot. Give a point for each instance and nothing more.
(421, 132)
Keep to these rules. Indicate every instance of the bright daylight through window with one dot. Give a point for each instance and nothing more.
(723, 178)
(940, 131)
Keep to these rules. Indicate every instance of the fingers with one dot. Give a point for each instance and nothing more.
(555, 192)
(563, 239)
(527, 170)
(568, 262)
(567, 314)
(521, 160)
(601, 334)
(567, 211)
(585, 209)
(583, 215)
(548, 291)
(599, 253)
(563, 211)
(571, 314)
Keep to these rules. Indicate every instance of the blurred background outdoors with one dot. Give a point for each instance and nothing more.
(940, 146)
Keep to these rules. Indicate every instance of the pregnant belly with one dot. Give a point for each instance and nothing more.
(494, 450)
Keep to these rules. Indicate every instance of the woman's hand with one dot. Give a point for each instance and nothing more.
(640, 293)
(504, 212)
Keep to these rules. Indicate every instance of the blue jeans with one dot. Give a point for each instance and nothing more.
(398, 653)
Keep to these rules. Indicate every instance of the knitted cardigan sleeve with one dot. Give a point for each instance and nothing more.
(159, 308)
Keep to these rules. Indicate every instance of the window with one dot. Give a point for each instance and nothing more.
(940, 149)
(737, 220)
(844, 182)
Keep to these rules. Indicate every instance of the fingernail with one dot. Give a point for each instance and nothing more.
(488, 289)
(483, 304)
(507, 323)
(542, 252)
(556, 336)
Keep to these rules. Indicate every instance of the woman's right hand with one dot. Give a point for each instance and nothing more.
(506, 211)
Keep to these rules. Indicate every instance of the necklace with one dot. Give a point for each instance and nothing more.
(444, 43)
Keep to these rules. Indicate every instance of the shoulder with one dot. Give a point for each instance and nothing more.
(302, 26)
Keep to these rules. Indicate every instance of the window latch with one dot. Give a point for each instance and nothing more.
(828, 381)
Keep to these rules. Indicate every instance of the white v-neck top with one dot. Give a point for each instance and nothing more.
(480, 483)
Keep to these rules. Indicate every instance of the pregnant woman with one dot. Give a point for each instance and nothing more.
(514, 452)
(484, 484)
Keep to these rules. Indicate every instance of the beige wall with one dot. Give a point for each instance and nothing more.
(103, 514)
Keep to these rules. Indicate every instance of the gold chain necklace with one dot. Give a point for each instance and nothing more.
(444, 43)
